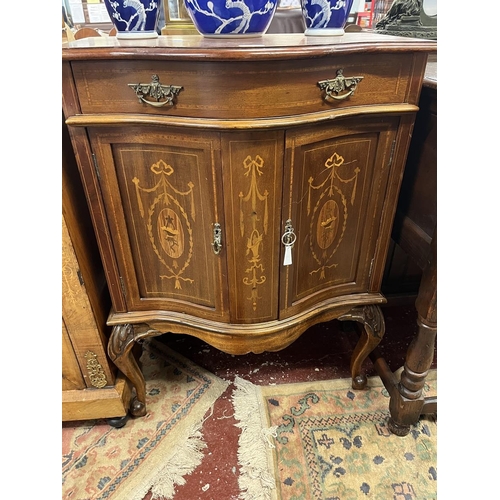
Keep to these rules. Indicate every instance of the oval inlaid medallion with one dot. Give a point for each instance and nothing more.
(328, 223)
(171, 233)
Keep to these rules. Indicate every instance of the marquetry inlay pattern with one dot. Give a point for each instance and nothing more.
(255, 231)
(332, 168)
(328, 217)
(169, 225)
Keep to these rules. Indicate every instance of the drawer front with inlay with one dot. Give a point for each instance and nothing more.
(237, 90)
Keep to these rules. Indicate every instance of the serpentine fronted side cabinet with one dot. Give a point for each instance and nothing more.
(242, 190)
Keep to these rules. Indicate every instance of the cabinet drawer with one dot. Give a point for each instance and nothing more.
(236, 89)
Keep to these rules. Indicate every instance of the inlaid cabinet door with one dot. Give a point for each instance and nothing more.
(253, 176)
(335, 179)
(162, 192)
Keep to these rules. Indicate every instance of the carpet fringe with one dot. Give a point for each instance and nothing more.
(256, 478)
(183, 462)
(168, 469)
(153, 452)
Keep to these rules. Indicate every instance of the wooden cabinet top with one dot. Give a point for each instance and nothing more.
(266, 47)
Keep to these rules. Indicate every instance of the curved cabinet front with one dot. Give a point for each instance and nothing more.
(242, 192)
(162, 189)
(335, 184)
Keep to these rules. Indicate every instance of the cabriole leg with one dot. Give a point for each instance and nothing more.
(372, 319)
(120, 345)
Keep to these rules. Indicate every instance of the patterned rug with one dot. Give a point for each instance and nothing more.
(152, 452)
(325, 441)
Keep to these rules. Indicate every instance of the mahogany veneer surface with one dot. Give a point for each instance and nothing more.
(254, 150)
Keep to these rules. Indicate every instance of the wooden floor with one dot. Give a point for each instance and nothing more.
(321, 353)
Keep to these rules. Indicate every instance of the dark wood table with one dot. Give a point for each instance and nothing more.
(415, 231)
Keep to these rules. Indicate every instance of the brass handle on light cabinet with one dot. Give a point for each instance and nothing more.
(332, 88)
(155, 90)
(217, 243)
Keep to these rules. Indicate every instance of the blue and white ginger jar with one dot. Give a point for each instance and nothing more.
(325, 17)
(134, 18)
(231, 18)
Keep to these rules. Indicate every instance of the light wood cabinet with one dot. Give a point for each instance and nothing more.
(204, 160)
(91, 386)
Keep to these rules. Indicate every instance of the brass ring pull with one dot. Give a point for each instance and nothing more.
(332, 88)
(156, 91)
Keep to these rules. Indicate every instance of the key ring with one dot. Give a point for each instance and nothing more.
(288, 236)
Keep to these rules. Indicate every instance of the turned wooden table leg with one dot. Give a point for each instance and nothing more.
(120, 345)
(407, 402)
(372, 319)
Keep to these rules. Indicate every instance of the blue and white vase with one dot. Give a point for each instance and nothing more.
(325, 17)
(134, 18)
(231, 18)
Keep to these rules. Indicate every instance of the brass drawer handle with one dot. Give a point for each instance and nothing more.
(156, 91)
(340, 83)
(217, 243)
